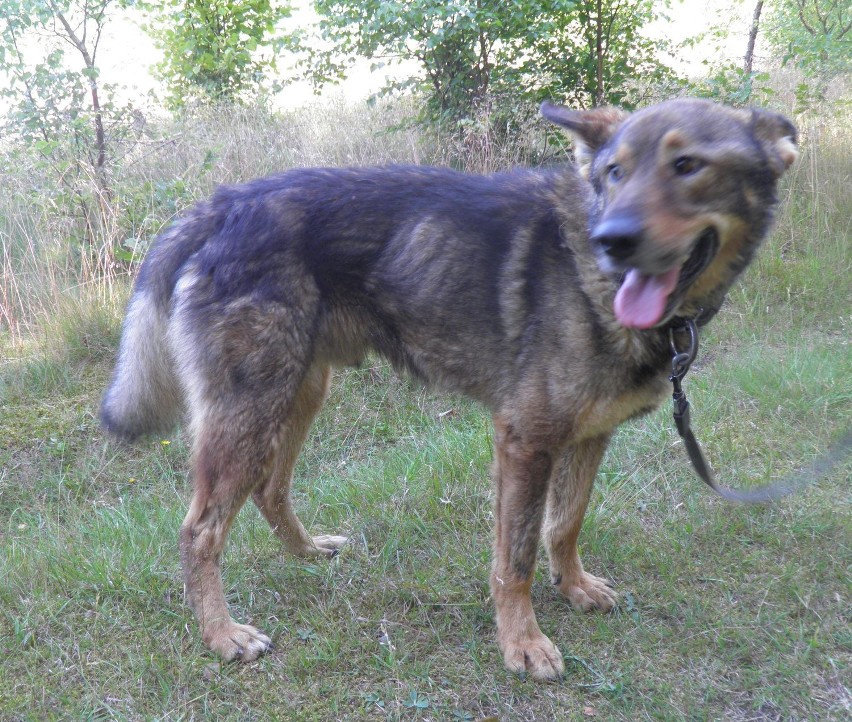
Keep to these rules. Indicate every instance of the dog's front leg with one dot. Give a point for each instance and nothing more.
(521, 470)
(568, 496)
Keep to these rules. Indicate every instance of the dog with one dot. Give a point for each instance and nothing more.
(548, 295)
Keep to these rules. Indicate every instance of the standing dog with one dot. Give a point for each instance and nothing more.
(548, 295)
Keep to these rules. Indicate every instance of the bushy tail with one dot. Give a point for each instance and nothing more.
(144, 396)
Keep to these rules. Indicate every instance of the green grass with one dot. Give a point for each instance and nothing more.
(727, 612)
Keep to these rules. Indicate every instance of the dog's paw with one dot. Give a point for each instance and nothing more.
(237, 642)
(323, 545)
(536, 656)
(327, 545)
(587, 592)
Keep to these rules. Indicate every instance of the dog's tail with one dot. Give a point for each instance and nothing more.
(145, 396)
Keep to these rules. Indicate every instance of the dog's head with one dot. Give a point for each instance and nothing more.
(685, 194)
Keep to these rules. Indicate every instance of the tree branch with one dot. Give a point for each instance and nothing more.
(752, 38)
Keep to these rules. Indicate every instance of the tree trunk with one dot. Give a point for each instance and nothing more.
(89, 60)
(599, 89)
(752, 38)
(100, 138)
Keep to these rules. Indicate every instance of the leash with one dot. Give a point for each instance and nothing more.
(681, 361)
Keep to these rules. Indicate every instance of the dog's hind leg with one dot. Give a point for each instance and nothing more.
(228, 462)
(567, 499)
(273, 497)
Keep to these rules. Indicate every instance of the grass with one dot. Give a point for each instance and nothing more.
(727, 612)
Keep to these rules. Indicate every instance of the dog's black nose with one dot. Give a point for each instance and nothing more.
(618, 236)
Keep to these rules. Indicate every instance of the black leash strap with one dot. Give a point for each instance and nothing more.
(681, 361)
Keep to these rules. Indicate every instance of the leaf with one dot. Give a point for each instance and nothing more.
(123, 254)
(373, 698)
(416, 701)
(306, 635)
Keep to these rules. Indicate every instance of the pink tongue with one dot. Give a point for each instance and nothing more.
(641, 300)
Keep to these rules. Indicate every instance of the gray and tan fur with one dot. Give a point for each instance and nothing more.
(547, 295)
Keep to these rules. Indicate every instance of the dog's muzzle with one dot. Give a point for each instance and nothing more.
(618, 237)
(646, 298)
(704, 251)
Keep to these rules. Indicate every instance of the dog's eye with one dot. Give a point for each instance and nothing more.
(614, 172)
(687, 165)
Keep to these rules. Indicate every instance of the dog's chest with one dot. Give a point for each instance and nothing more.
(603, 413)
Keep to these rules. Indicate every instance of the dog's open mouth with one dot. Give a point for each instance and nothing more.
(644, 300)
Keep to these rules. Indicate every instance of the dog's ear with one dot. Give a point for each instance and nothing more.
(778, 136)
(590, 128)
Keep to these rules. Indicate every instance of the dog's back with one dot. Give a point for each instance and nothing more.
(371, 258)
